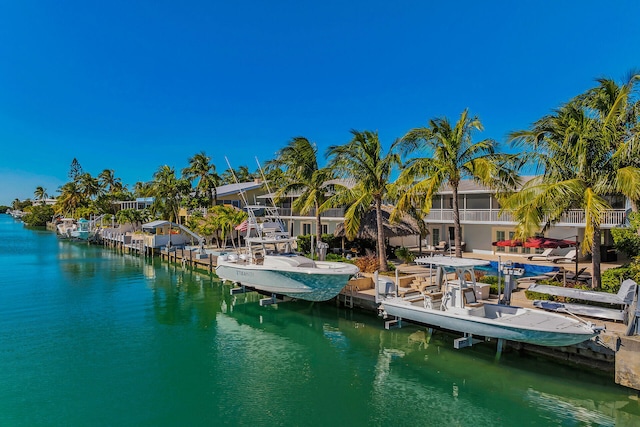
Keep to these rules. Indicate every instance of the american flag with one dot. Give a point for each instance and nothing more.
(242, 226)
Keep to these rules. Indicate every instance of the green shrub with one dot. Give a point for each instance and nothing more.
(405, 254)
(627, 239)
(38, 216)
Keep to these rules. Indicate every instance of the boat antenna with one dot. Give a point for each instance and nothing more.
(233, 174)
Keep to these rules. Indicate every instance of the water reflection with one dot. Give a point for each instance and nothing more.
(418, 379)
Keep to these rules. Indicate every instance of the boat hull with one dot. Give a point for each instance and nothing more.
(569, 333)
(312, 284)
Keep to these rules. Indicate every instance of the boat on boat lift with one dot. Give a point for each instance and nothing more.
(269, 265)
(451, 303)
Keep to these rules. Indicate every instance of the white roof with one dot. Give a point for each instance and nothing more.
(157, 223)
(228, 189)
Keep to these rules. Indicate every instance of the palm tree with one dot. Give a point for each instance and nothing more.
(201, 168)
(40, 194)
(301, 174)
(167, 191)
(241, 174)
(70, 199)
(586, 152)
(108, 182)
(362, 159)
(88, 185)
(454, 157)
(143, 189)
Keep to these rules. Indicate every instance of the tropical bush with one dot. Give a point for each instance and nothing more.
(405, 255)
(613, 277)
(38, 216)
(627, 239)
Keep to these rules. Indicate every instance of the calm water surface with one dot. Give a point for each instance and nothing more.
(90, 337)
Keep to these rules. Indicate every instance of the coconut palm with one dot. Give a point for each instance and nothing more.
(143, 189)
(40, 194)
(362, 160)
(301, 174)
(200, 168)
(168, 190)
(88, 185)
(108, 182)
(586, 152)
(454, 157)
(70, 199)
(241, 174)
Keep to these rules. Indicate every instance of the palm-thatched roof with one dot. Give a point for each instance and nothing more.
(406, 226)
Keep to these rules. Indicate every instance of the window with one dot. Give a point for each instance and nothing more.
(306, 229)
(435, 236)
(500, 235)
(325, 229)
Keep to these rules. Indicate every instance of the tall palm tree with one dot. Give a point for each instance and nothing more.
(301, 174)
(40, 194)
(362, 159)
(108, 182)
(88, 185)
(168, 190)
(586, 152)
(70, 199)
(201, 168)
(241, 174)
(143, 189)
(454, 157)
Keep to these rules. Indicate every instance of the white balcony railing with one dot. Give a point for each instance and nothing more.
(330, 213)
(610, 218)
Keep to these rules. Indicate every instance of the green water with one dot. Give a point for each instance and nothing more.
(91, 337)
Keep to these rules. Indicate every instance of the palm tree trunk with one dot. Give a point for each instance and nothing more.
(382, 250)
(318, 225)
(457, 241)
(595, 258)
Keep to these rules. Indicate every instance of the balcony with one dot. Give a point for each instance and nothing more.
(330, 213)
(611, 218)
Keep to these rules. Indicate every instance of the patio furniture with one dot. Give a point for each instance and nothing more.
(568, 257)
(542, 256)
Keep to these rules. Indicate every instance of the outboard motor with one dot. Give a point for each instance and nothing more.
(511, 274)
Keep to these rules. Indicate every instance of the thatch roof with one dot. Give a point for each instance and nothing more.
(406, 226)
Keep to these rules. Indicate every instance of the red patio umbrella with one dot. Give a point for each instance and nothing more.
(508, 243)
(548, 242)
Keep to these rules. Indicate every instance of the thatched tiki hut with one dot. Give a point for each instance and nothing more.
(406, 226)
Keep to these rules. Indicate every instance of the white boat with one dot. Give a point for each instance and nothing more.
(268, 264)
(82, 230)
(65, 227)
(452, 305)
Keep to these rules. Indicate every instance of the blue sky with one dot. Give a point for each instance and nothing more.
(131, 86)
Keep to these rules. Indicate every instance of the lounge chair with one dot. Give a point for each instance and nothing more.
(463, 247)
(541, 257)
(441, 246)
(568, 257)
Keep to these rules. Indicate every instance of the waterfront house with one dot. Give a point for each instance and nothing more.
(482, 223)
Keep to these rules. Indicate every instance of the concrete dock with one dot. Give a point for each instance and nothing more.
(613, 351)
